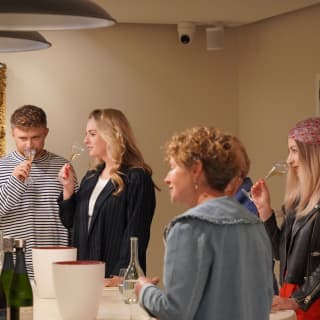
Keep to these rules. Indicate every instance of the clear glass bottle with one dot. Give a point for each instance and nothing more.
(8, 267)
(134, 271)
(21, 298)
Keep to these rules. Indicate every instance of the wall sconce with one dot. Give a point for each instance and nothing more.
(215, 38)
(33, 15)
(16, 41)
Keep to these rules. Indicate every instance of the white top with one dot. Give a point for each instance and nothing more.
(101, 183)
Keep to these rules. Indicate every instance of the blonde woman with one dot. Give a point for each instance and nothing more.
(297, 242)
(116, 198)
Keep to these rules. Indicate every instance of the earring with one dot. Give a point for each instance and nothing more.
(196, 186)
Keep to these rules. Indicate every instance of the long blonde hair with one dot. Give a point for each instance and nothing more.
(114, 128)
(304, 193)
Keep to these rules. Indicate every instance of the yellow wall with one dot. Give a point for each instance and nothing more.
(258, 86)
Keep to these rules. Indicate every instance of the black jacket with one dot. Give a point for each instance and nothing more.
(297, 245)
(115, 219)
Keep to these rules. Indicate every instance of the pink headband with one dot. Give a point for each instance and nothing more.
(306, 131)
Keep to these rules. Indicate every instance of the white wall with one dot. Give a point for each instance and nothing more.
(161, 85)
(258, 86)
(278, 63)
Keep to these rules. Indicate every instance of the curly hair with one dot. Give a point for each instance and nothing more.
(29, 116)
(122, 148)
(215, 149)
(243, 157)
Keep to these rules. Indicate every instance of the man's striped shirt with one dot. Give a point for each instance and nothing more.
(30, 212)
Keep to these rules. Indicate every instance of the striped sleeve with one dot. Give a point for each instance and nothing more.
(30, 212)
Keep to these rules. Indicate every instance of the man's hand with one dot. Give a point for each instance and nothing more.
(22, 170)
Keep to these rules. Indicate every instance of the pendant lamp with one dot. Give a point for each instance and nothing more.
(35, 15)
(15, 41)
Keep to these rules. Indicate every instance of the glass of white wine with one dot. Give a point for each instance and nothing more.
(29, 154)
(278, 168)
(76, 151)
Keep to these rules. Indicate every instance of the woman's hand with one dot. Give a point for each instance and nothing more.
(142, 281)
(67, 178)
(261, 198)
(113, 281)
(280, 303)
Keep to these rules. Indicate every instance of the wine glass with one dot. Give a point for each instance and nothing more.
(122, 272)
(278, 168)
(126, 288)
(29, 154)
(76, 151)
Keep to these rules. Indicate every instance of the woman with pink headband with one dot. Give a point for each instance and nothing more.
(297, 242)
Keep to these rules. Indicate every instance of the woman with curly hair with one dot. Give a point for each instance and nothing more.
(218, 255)
(116, 198)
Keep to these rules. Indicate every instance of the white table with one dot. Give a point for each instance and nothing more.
(283, 315)
(111, 307)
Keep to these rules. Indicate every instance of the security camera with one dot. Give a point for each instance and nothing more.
(186, 32)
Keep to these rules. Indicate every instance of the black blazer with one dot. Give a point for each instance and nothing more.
(115, 219)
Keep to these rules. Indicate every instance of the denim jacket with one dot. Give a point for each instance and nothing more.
(217, 266)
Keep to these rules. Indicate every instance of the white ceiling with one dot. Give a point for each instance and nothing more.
(202, 12)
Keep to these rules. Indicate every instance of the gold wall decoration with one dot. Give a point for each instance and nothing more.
(3, 83)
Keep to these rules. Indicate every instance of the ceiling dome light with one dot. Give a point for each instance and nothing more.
(26, 15)
(14, 41)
